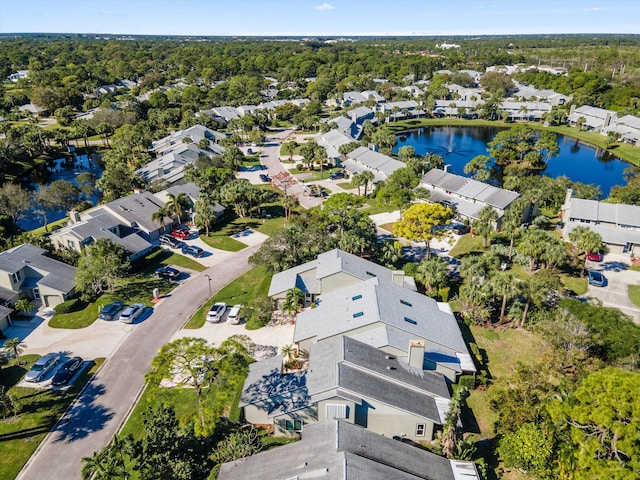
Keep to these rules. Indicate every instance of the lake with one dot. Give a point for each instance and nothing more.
(458, 145)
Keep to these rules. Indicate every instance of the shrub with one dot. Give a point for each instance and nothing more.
(444, 293)
(69, 306)
(468, 381)
(299, 167)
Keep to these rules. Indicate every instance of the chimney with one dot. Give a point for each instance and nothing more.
(416, 353)
(74, 216)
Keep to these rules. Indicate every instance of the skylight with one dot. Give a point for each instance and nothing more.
(404, 302)
(410, 320)
(371, 274)
(356, 297)
(359, 314)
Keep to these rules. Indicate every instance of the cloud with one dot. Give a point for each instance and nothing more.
(324, 6)
(594, 9)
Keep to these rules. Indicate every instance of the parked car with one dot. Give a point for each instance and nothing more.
(42, 366)
(460, 229)
(596, 278)
(170, 241)
(595, 256)
(110, 311)
(130, 313)
(168, 272)
(181, 233)
(234, 315)
(216, 312)
(192, 250)
(66, 371)
(336, 175)
(264, 177)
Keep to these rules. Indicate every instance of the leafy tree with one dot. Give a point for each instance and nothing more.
(14, 201)
(599, 423)
(101, 266)
(484, 225)
(587, 241)
(15, 347)
(535, 292)
(478, 168)
(528, 449)
(240, 444)
(504, 285)
(62, 194)
(419, 223)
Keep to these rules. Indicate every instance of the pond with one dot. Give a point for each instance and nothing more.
(458, 145)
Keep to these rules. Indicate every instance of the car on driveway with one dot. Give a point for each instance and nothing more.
(234, 315)
(130, 313)
(596, 278)
(192, 250)
(181, 233)
(42, 366)
(264, 177)
(216, 312)
(460, 229)
(595, 256)
(336, 175)
(168, 272)
(110, 311)
(66, 371)
(170, 241)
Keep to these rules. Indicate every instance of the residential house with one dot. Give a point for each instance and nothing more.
(329, 272)
(338, 450)
(222, 115)
(5, 317)
(125, 221)
(464, 93)
(627, 128)
(346, 126)
(380, 165)
(192, 191)
(34, 110)
(354, 98)
(452, 108)
(528, 92)
(525, 111)
(413, 90)
(17, 76)
(348, 380)
(401, 110)
(107, 89)
(466, 195)
(194, 134)
(618, 224)
(332, 141)
(591, 118)
(391, 318)
(27, 272)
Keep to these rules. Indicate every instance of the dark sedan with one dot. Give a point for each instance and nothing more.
(193, 251)
(66, 371)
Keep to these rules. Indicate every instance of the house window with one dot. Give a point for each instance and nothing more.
(293, 425)
(36, 293)
(333, 410)
(421, 429)
(16, 277)
(70, 244)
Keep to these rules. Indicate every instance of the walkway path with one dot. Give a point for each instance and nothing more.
(104, 404)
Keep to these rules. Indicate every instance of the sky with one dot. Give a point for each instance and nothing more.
(320, 17)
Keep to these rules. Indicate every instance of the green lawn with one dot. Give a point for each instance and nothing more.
(41, 409)
(346, 186)
(222, 242)
(575, 284)
(634, 294)
(466, 245)
(160, 256)
(242, 290)
(231, 224)
(371, 207)
(314, 175)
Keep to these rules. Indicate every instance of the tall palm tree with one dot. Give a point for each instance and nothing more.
(504, 284)
(367, 178)
(177, 204)
(587, 241)
(15, 346)
(535, 292)
(160, 215)
(432, 272)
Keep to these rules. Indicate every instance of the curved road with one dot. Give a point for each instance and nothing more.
(102, 407)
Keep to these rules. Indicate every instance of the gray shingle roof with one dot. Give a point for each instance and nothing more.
(56, 275)
(380, 304)
(338, 450)
(602, 212)
(375, 161)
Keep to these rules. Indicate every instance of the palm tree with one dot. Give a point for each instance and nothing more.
(160, 215)
(535, 292)
(95, 465)
(587, 241)
(503, 283)
(289, 351)
(367, 177)
(288, 149)
(24, 306)
(484, 224)
(432, 272)
(289, 202)
(177, 204)
(203, 213)
(357, 181)
(295, 295)
(14, 345)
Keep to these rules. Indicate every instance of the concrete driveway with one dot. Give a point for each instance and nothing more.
(616, 292)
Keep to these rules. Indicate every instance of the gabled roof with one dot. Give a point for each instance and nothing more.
(56, 275)
(603, 212)
(195, 133)
(469, 188)
(372, 304)
(338, 450)
(332, 140)
(343, 365)
(377, 162)
(136, 210)
(308, 275)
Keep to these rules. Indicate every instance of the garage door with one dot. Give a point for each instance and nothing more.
(52, 300)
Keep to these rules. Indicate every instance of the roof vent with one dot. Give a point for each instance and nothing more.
(390, 357)
(389, 367)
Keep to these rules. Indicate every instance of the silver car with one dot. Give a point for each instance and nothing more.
(130, 313)
(42, 366)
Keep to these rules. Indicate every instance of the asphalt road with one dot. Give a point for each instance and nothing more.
(102, 407)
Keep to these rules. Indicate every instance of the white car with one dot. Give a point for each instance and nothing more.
(216, 312)
(234, 315)
(131, 312)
